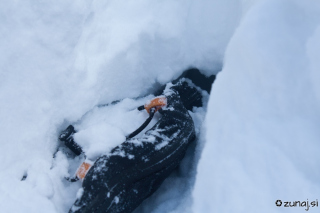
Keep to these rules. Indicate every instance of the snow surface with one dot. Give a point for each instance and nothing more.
(262, 140)
(62, 58)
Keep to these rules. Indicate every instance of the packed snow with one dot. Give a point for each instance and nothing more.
(257, 141)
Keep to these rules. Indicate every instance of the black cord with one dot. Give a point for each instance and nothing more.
(144, 125)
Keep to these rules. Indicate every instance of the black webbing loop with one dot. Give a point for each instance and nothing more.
(140, 108)
(67, 137)
(74, 179)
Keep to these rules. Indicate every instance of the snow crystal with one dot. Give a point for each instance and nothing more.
(131, 157)
(161, 145)
(79, 193)
(116, 199)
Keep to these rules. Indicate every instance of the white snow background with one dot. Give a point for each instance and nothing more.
(260, 140)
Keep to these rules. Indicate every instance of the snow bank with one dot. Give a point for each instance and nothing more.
(37, 39)
(262, 140)
(61, 58)
(136, 45)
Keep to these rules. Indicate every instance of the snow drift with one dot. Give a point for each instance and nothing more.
(262, 137)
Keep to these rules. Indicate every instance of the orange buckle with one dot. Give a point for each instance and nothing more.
(83, 169)
(156, 103)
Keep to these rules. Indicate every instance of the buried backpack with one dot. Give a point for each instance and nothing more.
(119, 181)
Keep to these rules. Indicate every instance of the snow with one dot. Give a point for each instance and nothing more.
(262, 136)
(61, 59)
(104, 127)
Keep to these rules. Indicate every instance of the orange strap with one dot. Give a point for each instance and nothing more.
(157, 103)
(83, 169)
